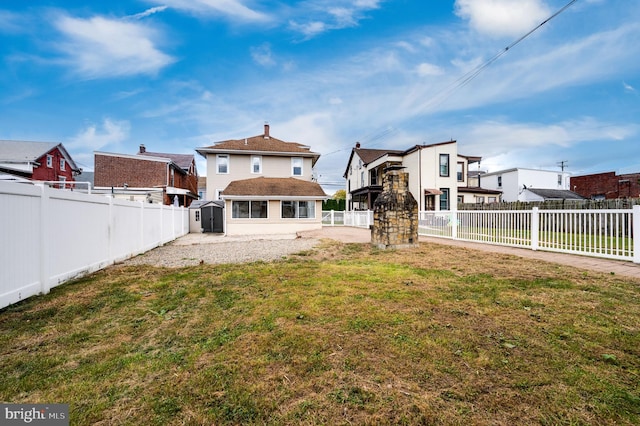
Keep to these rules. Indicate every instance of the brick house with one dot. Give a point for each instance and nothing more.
(148, 175)
(40, 161)
(607, 186)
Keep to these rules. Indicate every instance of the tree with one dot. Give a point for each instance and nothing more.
(340, 194)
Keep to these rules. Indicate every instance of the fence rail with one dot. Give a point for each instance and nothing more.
(591, 232)
(51, 235)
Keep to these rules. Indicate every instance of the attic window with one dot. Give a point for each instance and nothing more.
(49, 160)
(63, 164)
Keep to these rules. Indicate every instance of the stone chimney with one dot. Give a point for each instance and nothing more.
(143, 149)
(266, 130)
(395, 212)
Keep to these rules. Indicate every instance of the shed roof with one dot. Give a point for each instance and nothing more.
(556, 194)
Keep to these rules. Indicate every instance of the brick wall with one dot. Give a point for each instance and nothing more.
(607, 185)
(116, 171)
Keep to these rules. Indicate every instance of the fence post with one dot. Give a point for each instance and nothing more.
(333, 218)
(535, 228)
(45, 285)
(454, 224)
(636, 234)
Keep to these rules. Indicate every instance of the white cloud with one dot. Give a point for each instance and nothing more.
(99, 47)
(426, 69)
(148, 12)
(315, 17)
(628, 88)
(11, 22)
(502, 17)
(95, 137)
(262, 55)
(233, 9)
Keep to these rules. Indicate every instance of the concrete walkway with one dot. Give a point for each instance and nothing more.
(616, 267)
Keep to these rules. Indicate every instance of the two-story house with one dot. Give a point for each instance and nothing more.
(514, 182)
(436, 172)
(39, 161)
(149, 176)
(266, 184)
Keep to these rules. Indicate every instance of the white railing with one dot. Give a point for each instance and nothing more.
(50, 235)
(606, 233)
(598, 233)
(358, 219)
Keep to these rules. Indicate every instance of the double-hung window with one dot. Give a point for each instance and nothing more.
(222, 163)
(444, 199)
(296, 166)
(298, 209)
(256, 164)
(63, 164)
(460, 172)
(444, 165)
(49, 160)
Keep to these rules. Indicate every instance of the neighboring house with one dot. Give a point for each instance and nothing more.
(606, 186)
(39, 161)
(266, 184)
(536, 194)
(436, 174)
(513, 182)
(148, 176)
(202, 187)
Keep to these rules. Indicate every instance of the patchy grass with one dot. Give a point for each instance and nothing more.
(341, 334)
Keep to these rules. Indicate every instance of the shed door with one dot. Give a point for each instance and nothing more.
(217, 219)
(206, 216)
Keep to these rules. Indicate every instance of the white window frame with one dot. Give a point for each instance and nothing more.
(295, 204)
(63, 164)
(294, 161)
(197, 215)
(49, 160)
(256, 160)
(250, 209)
(219, 163)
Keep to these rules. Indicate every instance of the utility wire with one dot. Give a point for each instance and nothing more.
(466, 78)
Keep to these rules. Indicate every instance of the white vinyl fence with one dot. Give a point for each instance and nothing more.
(606, 233)
(50, 235)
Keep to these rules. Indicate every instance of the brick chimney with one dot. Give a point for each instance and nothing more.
(143, 149)
(357, 145)
(266, 130)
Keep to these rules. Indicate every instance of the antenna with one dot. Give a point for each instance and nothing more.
(562, 164)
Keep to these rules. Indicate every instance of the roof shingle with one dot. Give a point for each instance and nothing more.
(284, 187)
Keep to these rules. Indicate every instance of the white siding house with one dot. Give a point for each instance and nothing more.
(514, 182)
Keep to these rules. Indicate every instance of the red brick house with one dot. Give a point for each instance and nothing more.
(41, 161)
(140, 175)
(607, 186)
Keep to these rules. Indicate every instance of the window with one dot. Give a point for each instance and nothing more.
(218, 194)
(256, 164)
(374, 176)
(222, 163)
(249, 209)
(296, 166)
(63, 164)
(444, 165)
(298, 209)
(197, 215)
(492, 199)
(460, 172)
(49, 160)
(480, 200)
(560, 180)
(444, 199)
(499, 181)
(173, 178)
(362, 179)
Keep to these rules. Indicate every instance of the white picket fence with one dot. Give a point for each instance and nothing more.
(50, 235)
(605, 233)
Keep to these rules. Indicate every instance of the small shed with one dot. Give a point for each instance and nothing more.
(206, 216)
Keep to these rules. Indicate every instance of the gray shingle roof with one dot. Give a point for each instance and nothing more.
(23, 151)
(556, 194)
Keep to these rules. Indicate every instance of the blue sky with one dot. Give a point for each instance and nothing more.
(180, 74)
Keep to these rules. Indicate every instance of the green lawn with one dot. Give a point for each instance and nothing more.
(342, 334)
